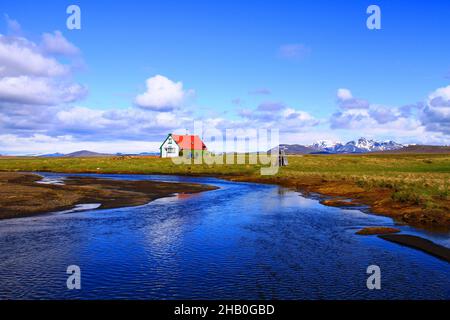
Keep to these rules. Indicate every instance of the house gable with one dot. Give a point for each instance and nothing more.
(169, 148)
(189, 142)
(168, 137)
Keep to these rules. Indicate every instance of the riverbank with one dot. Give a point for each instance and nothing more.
(27, 194)
(21, 194)
(412, 189)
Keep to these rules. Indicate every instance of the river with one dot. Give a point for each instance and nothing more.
(242, 241)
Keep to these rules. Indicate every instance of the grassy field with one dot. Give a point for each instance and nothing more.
(414, 188)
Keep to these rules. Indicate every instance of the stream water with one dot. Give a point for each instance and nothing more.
(242, 241)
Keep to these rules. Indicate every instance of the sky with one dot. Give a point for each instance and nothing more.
(138, 70)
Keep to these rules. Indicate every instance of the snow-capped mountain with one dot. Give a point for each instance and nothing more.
(324, 144)
(362, 145)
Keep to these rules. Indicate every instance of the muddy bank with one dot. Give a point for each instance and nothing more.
(22, 195)
(370, 231)
(418, 243)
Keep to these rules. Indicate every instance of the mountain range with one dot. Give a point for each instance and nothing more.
(362, 145)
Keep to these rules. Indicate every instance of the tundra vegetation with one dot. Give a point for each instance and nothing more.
(411, 188)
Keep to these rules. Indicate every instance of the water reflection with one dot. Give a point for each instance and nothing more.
(242, 241)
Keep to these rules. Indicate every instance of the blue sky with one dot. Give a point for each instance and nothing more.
(241, 63)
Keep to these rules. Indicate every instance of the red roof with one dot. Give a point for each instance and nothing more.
(189, 142)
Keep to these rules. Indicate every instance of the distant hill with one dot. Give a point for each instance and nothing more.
(420, 149)
(149, 154)
(138, 154)
(52, 155)
(86, 154)
(295, 149)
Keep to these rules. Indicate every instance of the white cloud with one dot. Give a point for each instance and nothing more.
(436, 113)
(30, 76)
(302, 116)
(162, 94)
(111, 124)
(38, 91)
(344, 94)
(37, 113)
(277, 115)
(347, 101)
(18, 57)
(83, 119)
(55, 43)
(443, 93)
(419, 123)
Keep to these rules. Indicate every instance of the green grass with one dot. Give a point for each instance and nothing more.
(415, 179)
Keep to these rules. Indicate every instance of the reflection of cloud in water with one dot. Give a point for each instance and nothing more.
(285, 197)
(178, 196)
(58, 181)
(276, 199)
(165, 233)
(82, 207)
(168, 224)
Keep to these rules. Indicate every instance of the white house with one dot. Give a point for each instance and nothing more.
(169, 148)
(176, 145)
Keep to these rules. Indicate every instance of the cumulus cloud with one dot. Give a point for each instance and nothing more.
(55, 43)
(360, 114)
(299, 117)
(383, 115)
(344, 94)
(277, 115)
(350, 119)
(436, 114)
(162, 94)
(18, 57)
(347, 101)
(38, 112)
(37, 95)
(443, 93)
(354, 112)
(427, 122)
(110, 124)
(25, 120)
(38, 91)
(365, 124)
(30, 76)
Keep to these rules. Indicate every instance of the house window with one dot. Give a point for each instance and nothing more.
(171, 150)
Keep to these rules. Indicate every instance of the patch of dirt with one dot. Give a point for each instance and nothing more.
(20, 195)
